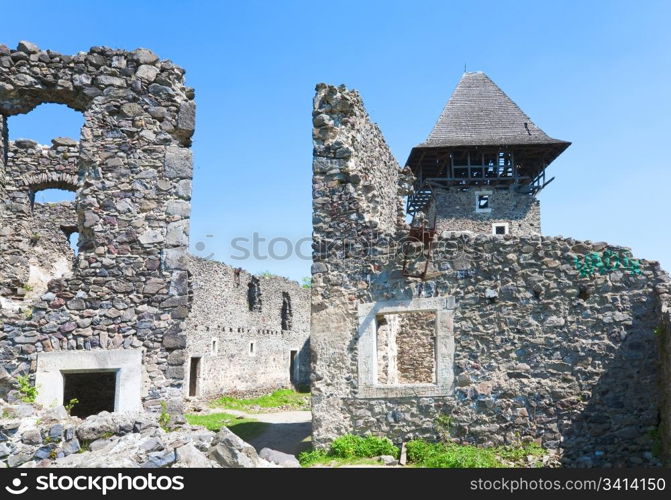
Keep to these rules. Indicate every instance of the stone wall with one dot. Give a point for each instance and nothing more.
(29, 168)
(416, 339)
(224, 314)
(346, 217)
(535, 349)
(454, 210)
(353, 169)
(406, 348)
(128, 287)
(664, 332)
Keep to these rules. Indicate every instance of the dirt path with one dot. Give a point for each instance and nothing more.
(286, 431)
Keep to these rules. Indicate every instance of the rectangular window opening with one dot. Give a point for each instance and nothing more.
(483, 202)
(215, 347)
(94, 391)
(500, 229)
(251, 348)
(406, 348)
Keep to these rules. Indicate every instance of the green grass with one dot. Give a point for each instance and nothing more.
(320, 457)
(245, 428)
(349, 449)
(356, 450)
(282, 398)
(450, 455)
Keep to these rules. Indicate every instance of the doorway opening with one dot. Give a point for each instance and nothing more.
(293, 376)
(93, 391)
(194, 376)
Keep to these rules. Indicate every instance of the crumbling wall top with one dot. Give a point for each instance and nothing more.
(31, 76)
(350, 154)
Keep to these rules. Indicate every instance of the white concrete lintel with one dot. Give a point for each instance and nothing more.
(127, 363)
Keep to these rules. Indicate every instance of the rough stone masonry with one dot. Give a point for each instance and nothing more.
(120, 304)
(246, 333)
(131, 170)
(525, 347)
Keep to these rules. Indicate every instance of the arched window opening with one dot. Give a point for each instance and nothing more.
(73, 238)
(46, 122)
(52, 196)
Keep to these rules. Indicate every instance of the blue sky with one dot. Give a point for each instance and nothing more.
(594, 73)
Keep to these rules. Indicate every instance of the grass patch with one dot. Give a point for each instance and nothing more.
(320, 457)
(349, 450)
(282, 398)
(450, 455)
(357, 450)
(245, 428)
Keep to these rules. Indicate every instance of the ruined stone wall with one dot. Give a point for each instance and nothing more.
(4, 149)
(534, 350)
(663, 332)
(348, 213)
(128, 288)
(455, 211)
(36, 250)
(49, 255)
(339, 162)
(225, 313)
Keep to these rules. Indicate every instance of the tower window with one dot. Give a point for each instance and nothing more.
(254, 294)
(286, 313)
(251, 348)
(500, 228)
(483, 201)
(215, 347)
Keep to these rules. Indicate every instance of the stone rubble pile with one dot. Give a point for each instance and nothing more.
(32, 436)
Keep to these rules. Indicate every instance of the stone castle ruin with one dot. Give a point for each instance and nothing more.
(109, 324)
(468, 323)
(246, 333)
(465, 322)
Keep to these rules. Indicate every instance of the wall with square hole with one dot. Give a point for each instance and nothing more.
(406, 348)
(259, 324)
(477, 210)
(541, 350)
(60, 376)
(126, 288)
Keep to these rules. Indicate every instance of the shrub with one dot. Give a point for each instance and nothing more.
(71, 404)
(26, 389)
(164, 417)
(350, 446)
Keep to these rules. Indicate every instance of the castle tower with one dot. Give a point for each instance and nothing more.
(482, 164)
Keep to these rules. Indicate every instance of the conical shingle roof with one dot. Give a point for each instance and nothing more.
(480, 113)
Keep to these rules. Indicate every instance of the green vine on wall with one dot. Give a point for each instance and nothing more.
(605, 262)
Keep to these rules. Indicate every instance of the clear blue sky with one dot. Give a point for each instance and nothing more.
(594, 73)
